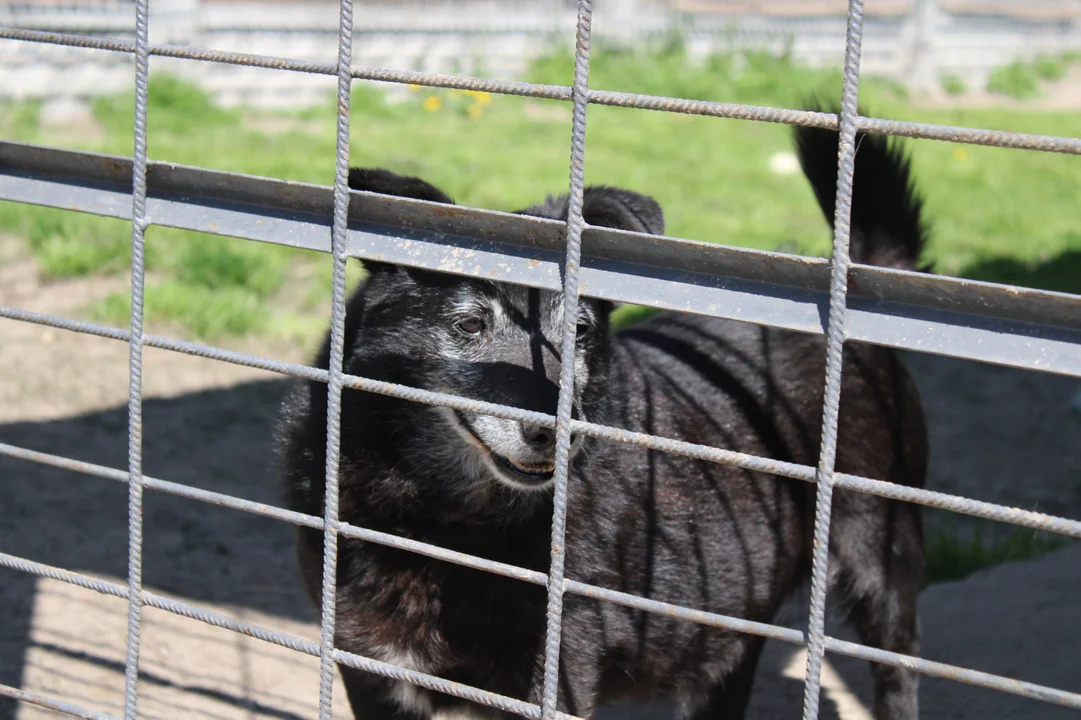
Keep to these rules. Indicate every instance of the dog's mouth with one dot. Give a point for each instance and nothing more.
(527, 473)
(538, 474)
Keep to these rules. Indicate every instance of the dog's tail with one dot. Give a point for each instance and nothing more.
(887, 225)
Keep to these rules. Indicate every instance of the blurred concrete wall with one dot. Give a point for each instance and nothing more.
(915, 41)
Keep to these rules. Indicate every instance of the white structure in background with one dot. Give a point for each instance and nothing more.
(915, 41)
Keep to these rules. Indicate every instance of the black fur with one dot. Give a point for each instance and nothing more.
(388, 183)
(607, 207)
(887, 227)
(662, 526)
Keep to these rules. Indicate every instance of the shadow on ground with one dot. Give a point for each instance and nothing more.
(216, 440)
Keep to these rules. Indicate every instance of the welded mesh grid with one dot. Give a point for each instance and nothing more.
(848, 124)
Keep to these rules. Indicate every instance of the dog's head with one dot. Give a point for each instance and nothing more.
(487, 341)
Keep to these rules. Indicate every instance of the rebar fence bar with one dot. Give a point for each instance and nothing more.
(1024, 328)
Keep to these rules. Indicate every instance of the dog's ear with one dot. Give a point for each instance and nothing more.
(602, 309)
(374, 267)
(607, 207)
(385, 182)
(622, 209)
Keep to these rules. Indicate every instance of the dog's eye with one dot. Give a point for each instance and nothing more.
(584, 329)
(471, 325)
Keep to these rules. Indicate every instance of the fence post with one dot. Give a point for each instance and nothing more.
(922, 63)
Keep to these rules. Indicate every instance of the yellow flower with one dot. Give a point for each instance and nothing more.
(475, 111)
(483, 98)
(414, 88)
(432, 103)
(960, 153)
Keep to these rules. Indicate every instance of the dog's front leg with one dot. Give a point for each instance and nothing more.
(373, 697)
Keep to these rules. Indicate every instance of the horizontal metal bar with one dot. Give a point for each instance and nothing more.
(967, 506)
(401, 543)
(289, 516)
(840, 647)
(928, 667)
(210, 617)
(930, 131)
(51, 703)
(700, 617)
(952, 672)
(991, 511)
(104, 587)
(679, 447)
(971, 136)
(449, 687)
(1020, 327)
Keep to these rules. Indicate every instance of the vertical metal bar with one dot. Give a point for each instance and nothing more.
(139, 225)
(575, 225)
(337, 349)
(835, 339)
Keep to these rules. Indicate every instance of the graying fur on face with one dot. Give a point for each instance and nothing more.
(504, 437)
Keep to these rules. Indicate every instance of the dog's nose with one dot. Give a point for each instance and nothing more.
(538, 437)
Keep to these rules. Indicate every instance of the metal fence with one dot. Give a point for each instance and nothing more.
(844, 301)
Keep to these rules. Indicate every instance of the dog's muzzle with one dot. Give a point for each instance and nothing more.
(538, 439)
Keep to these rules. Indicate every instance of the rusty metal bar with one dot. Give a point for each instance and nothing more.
(998, 138)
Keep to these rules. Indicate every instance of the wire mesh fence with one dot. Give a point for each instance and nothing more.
(843, 301)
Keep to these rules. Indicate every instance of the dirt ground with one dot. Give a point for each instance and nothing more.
(998, 434)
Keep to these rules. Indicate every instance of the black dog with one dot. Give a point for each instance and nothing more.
(661, 526)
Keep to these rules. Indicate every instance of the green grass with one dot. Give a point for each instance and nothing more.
(950, 557)
(1050, 69)
(1017, 80)
(953, 85)
(1021, 80)
(627, 315)
(203, 311)
(996, 214)
(68, 244)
